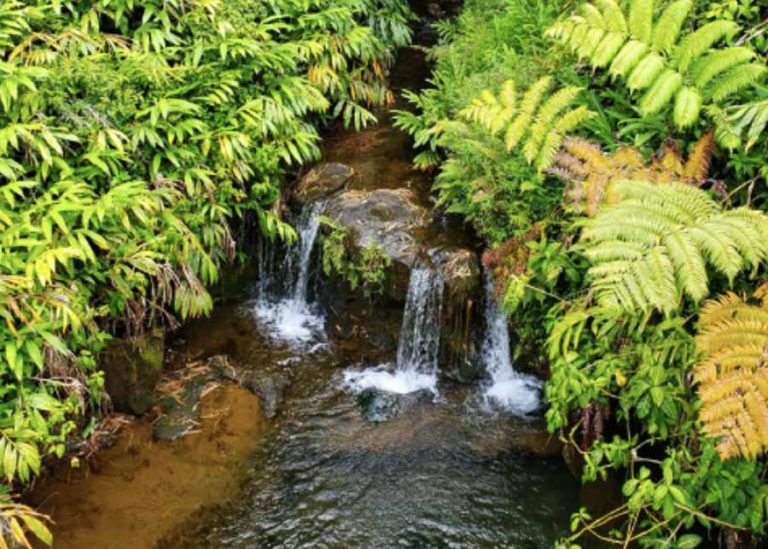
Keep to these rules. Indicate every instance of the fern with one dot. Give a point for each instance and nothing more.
(732, 377)
(673, 233)
(689, 71)
(537, 121)
(589, 172)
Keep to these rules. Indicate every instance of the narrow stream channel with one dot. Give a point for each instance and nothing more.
(446, 471)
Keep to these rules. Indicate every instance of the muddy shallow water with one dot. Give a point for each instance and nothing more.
(444, 472)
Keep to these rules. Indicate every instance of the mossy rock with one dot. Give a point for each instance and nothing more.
(132, 368)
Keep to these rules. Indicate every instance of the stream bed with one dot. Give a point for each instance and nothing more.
(311, 469)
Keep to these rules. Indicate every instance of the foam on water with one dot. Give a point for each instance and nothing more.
(290, 320)
(398, 382)
(506, 388)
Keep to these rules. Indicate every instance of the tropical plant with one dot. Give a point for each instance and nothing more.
(655, 243)
(536, 122)
(656, 56)
(732, 378)
(589, 171)
(133, 137)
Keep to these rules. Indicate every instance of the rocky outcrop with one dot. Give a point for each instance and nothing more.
(459, 335)
(389, 218)
(322, 181)
(132, 368)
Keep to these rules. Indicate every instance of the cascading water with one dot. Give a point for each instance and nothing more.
(511, 390)
(282, 306)
(419, 345)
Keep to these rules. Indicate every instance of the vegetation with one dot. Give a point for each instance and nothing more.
(134, 136)
(363, 268)
(628, 239)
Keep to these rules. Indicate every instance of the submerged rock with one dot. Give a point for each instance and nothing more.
(132, 369)
(322, 181)
(269, 386)
(378, 406)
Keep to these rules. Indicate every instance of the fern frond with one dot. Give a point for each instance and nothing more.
(732, 378)
(700, 159)
(688, 104)
(612, 16)
(682, 230)
(735, 80)
(628, 57)
(641, 20)
(668, 27)
(662, 92)
(696, 44)
(716, 63)
(646, 72)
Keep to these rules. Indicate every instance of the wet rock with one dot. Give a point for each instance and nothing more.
(322, 181)
(389, 218)
(378, 406)
(269, 386)
(460, 334)
(132, 369)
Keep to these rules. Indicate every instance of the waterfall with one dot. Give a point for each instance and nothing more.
(282, 305)
(419, 343)
(511, 390)
(419, 346)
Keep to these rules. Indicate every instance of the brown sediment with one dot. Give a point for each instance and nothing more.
(139, 490)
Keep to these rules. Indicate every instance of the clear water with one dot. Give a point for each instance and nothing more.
(440, 475)
(505, 388)
(419, 345)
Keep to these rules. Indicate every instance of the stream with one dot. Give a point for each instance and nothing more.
(362, 442)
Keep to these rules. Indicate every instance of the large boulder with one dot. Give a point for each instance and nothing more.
(132, 367)
(389, 218)
(322, 181)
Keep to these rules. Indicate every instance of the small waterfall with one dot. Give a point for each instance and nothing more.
(282, 306)
(511, 390)
(419, 345)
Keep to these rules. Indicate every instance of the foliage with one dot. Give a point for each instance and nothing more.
(133, 135)
(18, 521)
(732, 380)
(366, 268)
(589, 172)
(610, 269)
(655, 243)
(658, 57)
(534, 121)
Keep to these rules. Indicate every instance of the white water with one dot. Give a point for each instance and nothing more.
(419, 346)
(289, 317)
(513, 391)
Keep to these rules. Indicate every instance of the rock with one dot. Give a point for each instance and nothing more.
(461, 271)
(460, 333)
(378, 406)
(322, 181)
(389, 218)
(132, 368)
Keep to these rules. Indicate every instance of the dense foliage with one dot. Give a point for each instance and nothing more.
(132, 136)
(632, 247)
